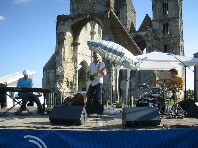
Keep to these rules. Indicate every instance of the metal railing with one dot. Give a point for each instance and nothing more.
(53, 99)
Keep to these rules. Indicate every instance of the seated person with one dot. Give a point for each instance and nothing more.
(175, 83)
(27, 96)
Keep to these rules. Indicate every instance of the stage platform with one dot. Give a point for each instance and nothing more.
(106, 122)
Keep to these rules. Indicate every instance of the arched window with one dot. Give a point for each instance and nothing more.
(165, 28)
(165, 8)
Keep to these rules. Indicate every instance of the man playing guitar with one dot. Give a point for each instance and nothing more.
(96, 71)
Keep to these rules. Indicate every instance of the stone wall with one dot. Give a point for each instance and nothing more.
(87, 6)
(72, 55)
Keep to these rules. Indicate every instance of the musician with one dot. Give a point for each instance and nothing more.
(2, 95)
(95, 72)
(175, 83)
(27, 96)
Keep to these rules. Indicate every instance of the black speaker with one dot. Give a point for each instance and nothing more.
(68, 115)
(185, 104)
(192, 111)
(140, 116)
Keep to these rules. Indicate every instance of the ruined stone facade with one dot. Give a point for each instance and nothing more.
(113, 20)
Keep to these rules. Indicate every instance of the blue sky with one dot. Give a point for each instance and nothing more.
(28, 32)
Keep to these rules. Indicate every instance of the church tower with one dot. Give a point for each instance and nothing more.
(125, 11)
(168, 26)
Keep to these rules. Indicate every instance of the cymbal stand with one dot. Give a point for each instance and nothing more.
(164, 104)
(175, 111)
(140, 92)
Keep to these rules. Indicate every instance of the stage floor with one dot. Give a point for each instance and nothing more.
(105, 122)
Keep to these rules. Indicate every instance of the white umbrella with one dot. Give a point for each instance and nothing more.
(114, 52)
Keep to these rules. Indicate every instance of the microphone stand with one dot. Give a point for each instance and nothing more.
(129, 79)
(142, 60)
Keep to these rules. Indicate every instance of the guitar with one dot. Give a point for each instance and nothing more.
(93, 76)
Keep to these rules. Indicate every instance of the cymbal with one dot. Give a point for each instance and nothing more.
(161, 81)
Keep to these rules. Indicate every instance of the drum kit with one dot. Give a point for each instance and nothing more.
(156, 96)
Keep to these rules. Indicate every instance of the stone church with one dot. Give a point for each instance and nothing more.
(113, 20)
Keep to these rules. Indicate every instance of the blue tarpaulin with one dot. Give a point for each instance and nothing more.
(170, 138)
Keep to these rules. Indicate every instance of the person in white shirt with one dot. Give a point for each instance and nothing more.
(96, 71)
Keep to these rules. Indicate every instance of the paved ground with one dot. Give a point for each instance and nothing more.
(94, 122)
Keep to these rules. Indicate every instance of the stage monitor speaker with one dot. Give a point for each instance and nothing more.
(68, 115)
(185, 104)
(192, 111)
(140, 116)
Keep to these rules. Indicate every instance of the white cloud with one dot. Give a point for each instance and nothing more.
(2, 18)
(21, 1)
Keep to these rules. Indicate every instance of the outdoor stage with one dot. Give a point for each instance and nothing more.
(104, 131)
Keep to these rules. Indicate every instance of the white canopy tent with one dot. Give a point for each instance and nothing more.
(165, 61)
(159, 61)
(157, 65)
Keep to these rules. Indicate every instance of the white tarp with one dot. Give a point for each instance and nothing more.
(153, 65)
(164, 61)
